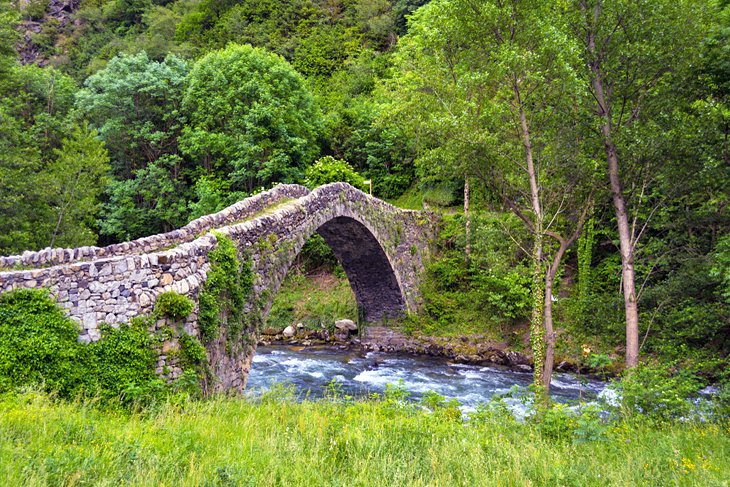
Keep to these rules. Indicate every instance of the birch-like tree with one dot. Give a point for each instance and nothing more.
(489, 89)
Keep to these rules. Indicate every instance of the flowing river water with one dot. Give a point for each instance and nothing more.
(310, 370)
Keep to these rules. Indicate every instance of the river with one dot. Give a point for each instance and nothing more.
(309, 370)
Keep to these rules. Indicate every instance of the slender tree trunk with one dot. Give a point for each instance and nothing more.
(467, 224)
(537, 331)
(547, 370)
(619, 205)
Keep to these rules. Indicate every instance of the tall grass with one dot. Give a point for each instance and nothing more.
(313, 300)
(279, 441)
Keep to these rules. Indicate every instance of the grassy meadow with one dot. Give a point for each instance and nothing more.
(275, 440)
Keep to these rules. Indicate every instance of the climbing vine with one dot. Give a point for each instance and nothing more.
(225, 292)
(585, 257)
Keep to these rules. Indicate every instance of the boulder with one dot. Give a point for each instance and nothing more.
(346, 325)
(289, 331)
(271, 331)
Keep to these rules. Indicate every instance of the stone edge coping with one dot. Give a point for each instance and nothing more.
(246, 207)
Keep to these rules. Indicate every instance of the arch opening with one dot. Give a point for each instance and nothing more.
(367, 267)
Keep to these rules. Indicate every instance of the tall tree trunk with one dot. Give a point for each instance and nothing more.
(619, 205)
(467, 223)
(547, 370)
(537, 331)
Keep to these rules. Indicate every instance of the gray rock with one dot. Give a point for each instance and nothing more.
(346, 325)
(289, 331)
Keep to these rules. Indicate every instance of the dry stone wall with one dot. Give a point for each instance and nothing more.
(382, 249)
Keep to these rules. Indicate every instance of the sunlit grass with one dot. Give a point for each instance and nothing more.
(313, 300)
(278, 441)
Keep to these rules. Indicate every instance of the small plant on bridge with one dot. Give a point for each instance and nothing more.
(173, 305)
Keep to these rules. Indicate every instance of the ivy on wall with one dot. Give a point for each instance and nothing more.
(225, 292)
(39, 347)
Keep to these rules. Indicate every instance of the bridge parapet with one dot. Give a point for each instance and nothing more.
(241, 210)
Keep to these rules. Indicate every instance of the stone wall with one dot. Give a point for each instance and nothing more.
(382, 249)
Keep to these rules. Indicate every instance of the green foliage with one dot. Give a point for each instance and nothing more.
(35, 9)
(9, 19)
(134, 102)
(316, 255)
(557, 423)
(75, 181)
(251, 117)
(51, 171)
(194, 361)
(330, 170)
(657, 392)
(152, 202)
(39, 346)
(173, 305)
(225, 293)
(123, 363)
(586, 243)
(486, 294)
(721, 267)
(314, 300)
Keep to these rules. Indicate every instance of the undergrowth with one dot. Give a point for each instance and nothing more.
(313, 300)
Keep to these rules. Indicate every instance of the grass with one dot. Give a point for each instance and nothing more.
(313, 299)
(278, 441)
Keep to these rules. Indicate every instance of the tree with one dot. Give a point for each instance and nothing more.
(134, 103)
(251, 116)
(152, 201)
(491, 89)
(75, 180)
(633, 51)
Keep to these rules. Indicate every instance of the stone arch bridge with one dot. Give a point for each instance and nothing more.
(381, 248)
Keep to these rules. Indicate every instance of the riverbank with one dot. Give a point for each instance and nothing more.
(308, 307)
(276, 440)
(472, 350)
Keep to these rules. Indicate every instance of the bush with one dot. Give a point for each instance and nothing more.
(173, 305)
(123, 360)
(330, 170)
(658, 392)
(39, 344)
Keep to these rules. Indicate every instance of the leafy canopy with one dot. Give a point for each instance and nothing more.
(251, 117)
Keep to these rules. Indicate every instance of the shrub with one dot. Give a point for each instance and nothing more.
(124, 360)
(39, 344)
(657, 391)
(330, 170)
(173, 305)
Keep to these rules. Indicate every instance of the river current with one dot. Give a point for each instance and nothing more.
(310, 370)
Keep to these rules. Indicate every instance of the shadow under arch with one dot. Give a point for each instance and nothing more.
(371, 275)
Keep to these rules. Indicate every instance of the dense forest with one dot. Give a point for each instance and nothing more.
(575, 153)
(578, 150)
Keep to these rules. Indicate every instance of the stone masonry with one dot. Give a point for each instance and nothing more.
(382, 249)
